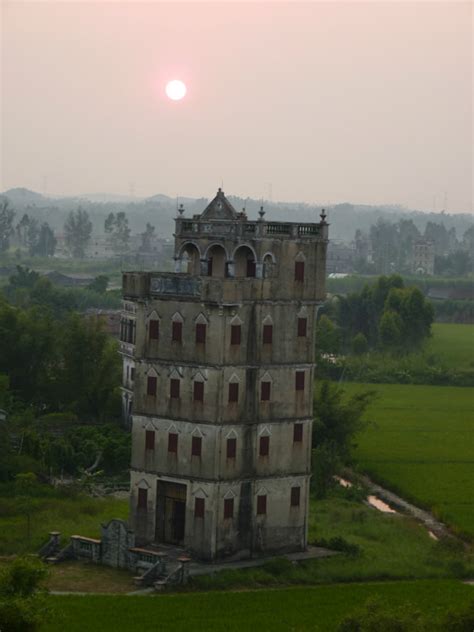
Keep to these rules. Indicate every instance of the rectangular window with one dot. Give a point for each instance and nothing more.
(228, 508)
(176, 332)
(235, 334)
(295, 496)
(299, 380)
(267, 334)
(200, 333)
(231, 448)
(142, 498)
(302, 327)
(299, 271)
(151, 386)
(198, 392)
(132, 373)
(154, 329)
(199, 507)
(150, 440)
(173, 442)
(174, 388)
(264, 446)
(261, 505)
(297, 433)
(265, 390)
(196, 445)
(234, 392)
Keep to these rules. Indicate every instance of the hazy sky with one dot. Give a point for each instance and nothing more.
(367, 102)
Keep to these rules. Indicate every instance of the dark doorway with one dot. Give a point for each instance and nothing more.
(170, 513)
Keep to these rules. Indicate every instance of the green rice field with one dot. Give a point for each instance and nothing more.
(316, 608)
(421, 444)
(453, 345)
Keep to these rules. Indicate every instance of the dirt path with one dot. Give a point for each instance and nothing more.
(438, 528)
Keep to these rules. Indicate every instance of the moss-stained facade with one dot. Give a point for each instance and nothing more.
(219, 362)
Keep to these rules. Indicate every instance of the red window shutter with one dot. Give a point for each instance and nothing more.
(150, 440)
(297, 433)
(198, 391)
(142, 498)
(228, 508)
(154, 329)
(174, 388)
(231, 448)
(265, 390)
(151, 386)
(176, 332)
(172, 442)
(295, 496)
(299, 380)
(267, 334)
(299, 271)
(302, 322)
(200, 333)
(233, 392)
(196, 445)
(264, 446)
(235, 334)
(262, 505)
(199, 507)
(251, 268)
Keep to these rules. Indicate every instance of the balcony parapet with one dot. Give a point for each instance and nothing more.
(222, 291)
(232, 229)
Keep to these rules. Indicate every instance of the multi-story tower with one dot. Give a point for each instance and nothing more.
(221, 354)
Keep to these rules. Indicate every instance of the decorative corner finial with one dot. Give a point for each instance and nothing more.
(261, 213)
(181, 210)
(323, 216)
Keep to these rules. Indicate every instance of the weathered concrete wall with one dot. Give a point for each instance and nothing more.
(283, 527)
(274, 298)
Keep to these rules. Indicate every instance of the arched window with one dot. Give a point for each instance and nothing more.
(216, 261)
(190, 259)
(245, 262)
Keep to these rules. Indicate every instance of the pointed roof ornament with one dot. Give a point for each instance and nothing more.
(323, 216)
(181, 210)
(261, 213)
(219, 208)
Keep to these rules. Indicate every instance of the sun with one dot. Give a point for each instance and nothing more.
(175, 90)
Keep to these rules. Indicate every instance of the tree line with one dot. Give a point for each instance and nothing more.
(384, 315)
(388, 247)
(39, 239)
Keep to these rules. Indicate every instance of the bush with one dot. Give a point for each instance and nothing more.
(23, 607)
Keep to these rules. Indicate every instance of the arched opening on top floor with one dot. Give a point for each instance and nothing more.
(190, 259)
(216, 261)
(245, 262)
(269, 266)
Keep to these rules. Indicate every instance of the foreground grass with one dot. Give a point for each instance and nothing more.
(421, 445)
(389, 546)
(453, 345)
(89, 578)
(54, 511)
(316, 608)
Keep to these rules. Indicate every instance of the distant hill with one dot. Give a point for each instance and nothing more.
(160, 211)
(24, 197)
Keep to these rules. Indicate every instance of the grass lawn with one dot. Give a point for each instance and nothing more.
(317, 608)
(390, 546)
(453, 344)
(88, 577)
(54, 512)
(421, 444)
